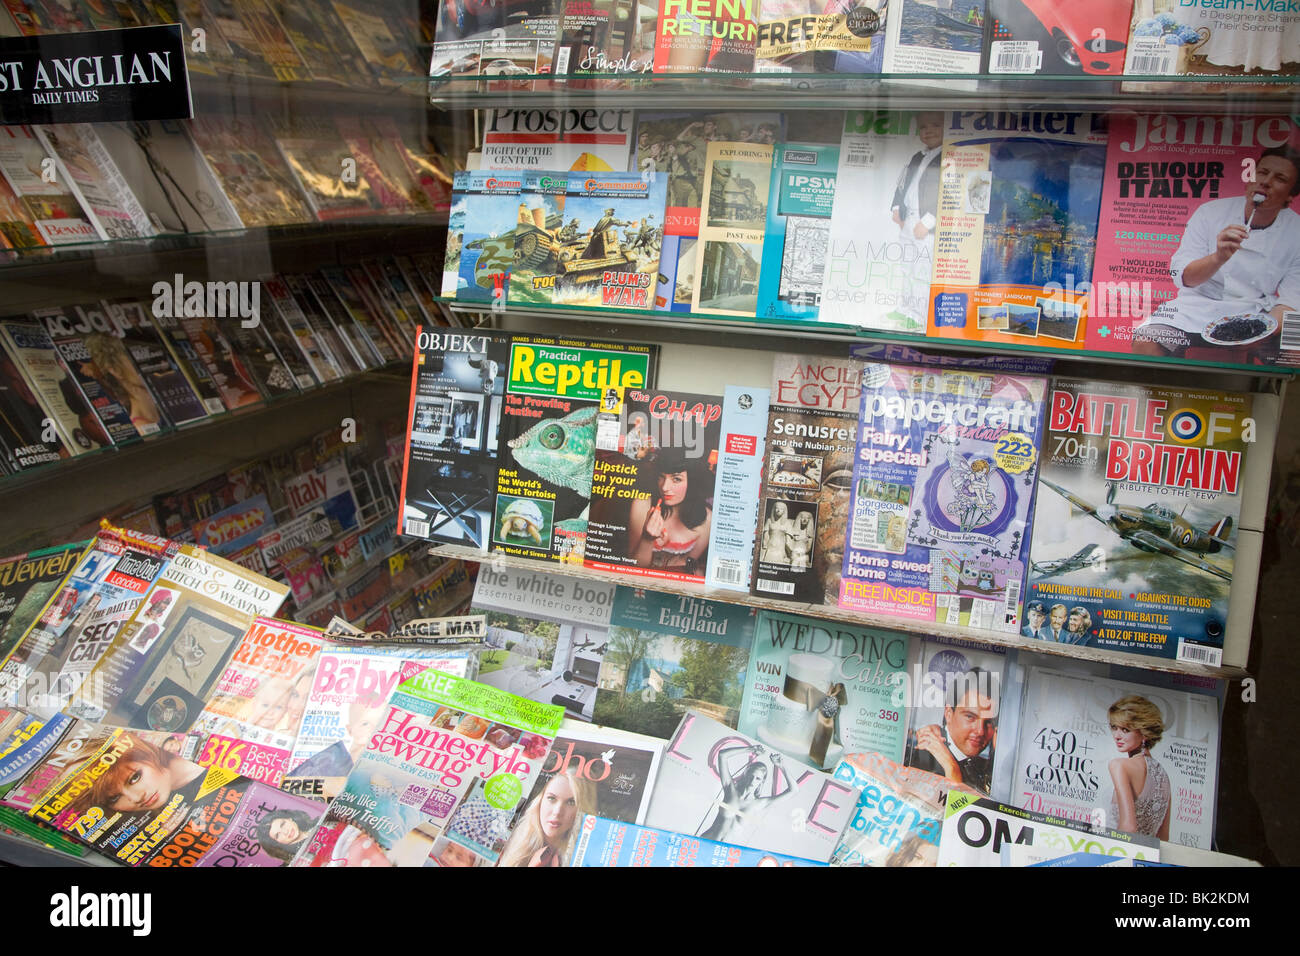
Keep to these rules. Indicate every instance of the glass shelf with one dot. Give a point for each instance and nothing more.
(714, 91)
(289, 235)
(830, 613)
(849, 335)
(107, 455)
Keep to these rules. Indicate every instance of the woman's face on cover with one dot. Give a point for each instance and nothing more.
(559, 807)
(145, 787)
(672, 487)
(1126, 741)
(284, 831)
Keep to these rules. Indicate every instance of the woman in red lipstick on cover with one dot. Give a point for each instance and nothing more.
(670, 528)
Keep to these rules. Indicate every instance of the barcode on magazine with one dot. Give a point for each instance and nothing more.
(729, 571)
(1199, 653)
(561, 61)
(861, 156)
(775, 587)
(1290, 339)
(415, 528)
(1015, 56)
(607, 434)
(1013, 606)
(1152, 57)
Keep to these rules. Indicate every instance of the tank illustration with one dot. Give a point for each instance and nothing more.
(546, 244)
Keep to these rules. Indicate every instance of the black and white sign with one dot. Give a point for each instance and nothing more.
(94, 77)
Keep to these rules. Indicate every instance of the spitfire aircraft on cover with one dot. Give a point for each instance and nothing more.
(1152, 528)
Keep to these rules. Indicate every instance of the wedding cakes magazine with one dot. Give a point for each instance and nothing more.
(669, 653)
(881, 250)
(1140, 494)
(1173, 184)
(817, 690)
(546, 636)
(1175, 38)
(807, 477)
(449, 474)
(942, 494)
(1018, 202)
(548, 438)
(449, 758)
(652, 483)
(1119, 755)
(717, 784)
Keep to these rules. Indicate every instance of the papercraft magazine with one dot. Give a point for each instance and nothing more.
(1121, 755)
(1055, 38)
(548, 438)
(256, 707)
(734, 526)
(733, 215)
(449, 475)
(27, 582)
(816, 690)
(717, 784)
(801, 195)
(676, 145)
(611, 843)
(1018, 202)
(706, 36)
(55, 212)
(344, 705)
(450, 758)
(668, 654)
(588, 770)
(881, 250)
(942, 494)
(899, 815)
(1139, 495)
(807, 477)
(163, 663)
(75, 628)
(141, 800)
(481, 235)
(547, 635)
(1173, 184)
(817, 36)
(934, 36)
(963, 712)
(496, 43)
(982, 832)
(653, 483)
(1167, 38)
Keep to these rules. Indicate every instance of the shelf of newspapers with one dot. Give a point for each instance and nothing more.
(1212, 95)
(101, 457)
(726, 328)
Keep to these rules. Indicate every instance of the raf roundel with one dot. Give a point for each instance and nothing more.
(1186, 426)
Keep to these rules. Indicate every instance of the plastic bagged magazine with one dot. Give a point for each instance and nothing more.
(717, 784)
(608, 843)
(451, 759)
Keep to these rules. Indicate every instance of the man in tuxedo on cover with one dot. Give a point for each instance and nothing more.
(957, 749)
(915, 204)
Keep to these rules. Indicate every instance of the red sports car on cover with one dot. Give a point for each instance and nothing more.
(1091, 36)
